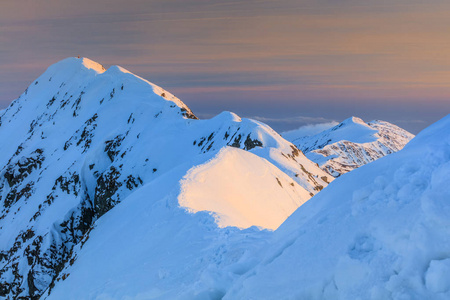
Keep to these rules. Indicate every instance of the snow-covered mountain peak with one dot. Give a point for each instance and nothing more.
(73, 65)
(115, 69)
(353, 130)
(81, 140)
(92, 65)
(228, 116)
(352, 143)
(355, 120)
(72, 78)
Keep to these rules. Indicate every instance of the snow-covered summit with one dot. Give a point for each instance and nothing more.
(352, 143)
(81, 140)
(86, 73)
(73, 65)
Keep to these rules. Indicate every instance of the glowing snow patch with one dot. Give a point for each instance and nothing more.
(242, 190)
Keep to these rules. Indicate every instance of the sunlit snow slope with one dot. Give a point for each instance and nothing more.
(379, 232)
(242, 190)
(81, 139)
(351, 144)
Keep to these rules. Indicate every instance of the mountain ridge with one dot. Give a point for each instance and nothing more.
(383, 231)
(81, 139)
(351, 144)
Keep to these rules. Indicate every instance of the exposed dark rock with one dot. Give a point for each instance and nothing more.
(133, 182)
(27, 235)
(112, 146)
(17, 172)
(279, 182)
(69, 183)
(85, 138)
(13, 196)
(187, 113)
(250, 144)
(107, 185)
(76, 105)
(32, 290)
(237, 142)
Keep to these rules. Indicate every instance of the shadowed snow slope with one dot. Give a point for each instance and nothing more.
(81, 139)
(379, 232)
(351, 144)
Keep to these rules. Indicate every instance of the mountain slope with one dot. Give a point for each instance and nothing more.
(81, 139)
(379, 232)
(157, 251)
(351, 144)
(264, 204)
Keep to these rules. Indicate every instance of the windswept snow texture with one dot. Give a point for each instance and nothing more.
(351, 144)
(81, 139)
(379, 232)
(263, 195)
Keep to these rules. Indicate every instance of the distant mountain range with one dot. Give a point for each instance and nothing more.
(351, 144)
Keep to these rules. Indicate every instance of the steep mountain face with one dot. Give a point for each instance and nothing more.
(81, 139)
(380, 232)
(351, 144)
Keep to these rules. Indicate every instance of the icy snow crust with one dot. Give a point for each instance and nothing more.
(351, 144)
(81, 139)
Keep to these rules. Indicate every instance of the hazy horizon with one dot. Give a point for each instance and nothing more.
(287, 63)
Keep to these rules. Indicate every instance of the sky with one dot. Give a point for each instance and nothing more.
(288, 63)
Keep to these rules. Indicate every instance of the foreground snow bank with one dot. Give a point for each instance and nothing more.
(379, 232)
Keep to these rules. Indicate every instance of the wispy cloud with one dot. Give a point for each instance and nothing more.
(266, 53)
(411, 121)
(296, 119)
(308, 130)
